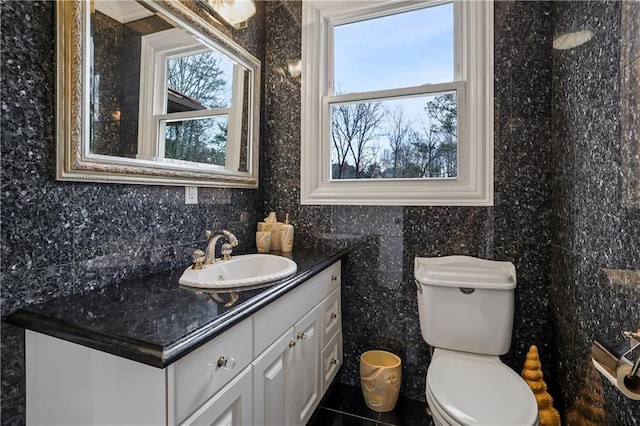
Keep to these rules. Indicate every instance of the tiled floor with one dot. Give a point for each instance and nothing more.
(344, 406)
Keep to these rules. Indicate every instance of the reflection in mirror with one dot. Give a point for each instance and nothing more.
(165, 98)
(194, 110)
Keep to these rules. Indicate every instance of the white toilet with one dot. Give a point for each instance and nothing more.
(466, 314)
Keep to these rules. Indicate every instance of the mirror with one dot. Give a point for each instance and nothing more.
(149, 92)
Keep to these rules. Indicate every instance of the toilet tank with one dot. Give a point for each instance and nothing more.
(466, 303)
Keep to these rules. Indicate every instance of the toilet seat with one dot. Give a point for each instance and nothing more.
(438, 415)
(472, 389)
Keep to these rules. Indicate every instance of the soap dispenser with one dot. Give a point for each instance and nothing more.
(286, 236)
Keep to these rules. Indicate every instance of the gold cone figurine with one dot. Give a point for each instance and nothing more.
(532, 374)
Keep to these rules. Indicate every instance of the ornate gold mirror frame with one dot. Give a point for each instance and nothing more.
(76, 163)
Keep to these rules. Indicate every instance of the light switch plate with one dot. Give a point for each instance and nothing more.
(191, 195)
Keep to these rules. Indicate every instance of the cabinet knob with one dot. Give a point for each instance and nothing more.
(334, 278)
(334, 361)
(226, 363)
(334, 315)
(304, 336)
(292, 343)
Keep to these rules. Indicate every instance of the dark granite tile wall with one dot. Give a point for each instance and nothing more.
(591, 228)
(379, 303)
(60, 238)
(116, 58)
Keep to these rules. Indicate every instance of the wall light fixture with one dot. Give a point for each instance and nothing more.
(234, 12)
(571, 40)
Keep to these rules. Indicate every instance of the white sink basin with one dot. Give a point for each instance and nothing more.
(241, 271)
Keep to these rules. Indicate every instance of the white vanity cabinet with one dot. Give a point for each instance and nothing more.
(70, 384)
(271, 368)
(288, 376)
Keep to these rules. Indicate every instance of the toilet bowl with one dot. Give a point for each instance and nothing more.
(471, 389)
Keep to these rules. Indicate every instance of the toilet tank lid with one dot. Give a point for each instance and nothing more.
(465, 271)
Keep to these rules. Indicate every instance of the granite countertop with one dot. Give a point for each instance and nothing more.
(153, 320)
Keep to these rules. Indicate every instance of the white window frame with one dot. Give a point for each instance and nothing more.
(156, 49)
(473, 53)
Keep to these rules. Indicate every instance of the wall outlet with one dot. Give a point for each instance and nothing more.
(191, 195)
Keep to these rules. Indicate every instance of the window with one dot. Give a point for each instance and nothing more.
(187, 98)
(397, 103)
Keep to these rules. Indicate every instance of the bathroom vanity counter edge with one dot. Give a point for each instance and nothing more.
(157, 354)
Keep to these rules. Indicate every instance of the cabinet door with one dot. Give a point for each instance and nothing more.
(272, 376)
(231, 406)
(306, 379)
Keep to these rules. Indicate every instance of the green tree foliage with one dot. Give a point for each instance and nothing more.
(200, 141)
(436, 143)
(201, 79)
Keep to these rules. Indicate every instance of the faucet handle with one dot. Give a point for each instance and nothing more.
(197, 257)
(225, 251)
(208, 234)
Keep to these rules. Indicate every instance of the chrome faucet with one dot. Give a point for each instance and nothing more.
(225, 249)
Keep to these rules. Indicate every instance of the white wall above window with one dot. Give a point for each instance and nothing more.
(472, 84)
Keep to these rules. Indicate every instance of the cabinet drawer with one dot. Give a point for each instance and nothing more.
(197, 376)
(331, 316)
(331, 278)
(273, 320)
(331, 360)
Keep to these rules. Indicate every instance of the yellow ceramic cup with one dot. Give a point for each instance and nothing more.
(380, 379)
(263, 241)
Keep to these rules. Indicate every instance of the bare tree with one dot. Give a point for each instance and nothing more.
(353, 128)
(399, 129)
(426, 142)
(424, 149)
(200, 77)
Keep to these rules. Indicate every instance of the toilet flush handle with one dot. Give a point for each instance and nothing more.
(418, 285)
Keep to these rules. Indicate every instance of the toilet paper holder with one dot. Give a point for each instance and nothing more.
(610, 356)
(635, 338)
(617, 365)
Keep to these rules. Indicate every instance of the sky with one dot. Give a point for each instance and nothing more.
(406, 49)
